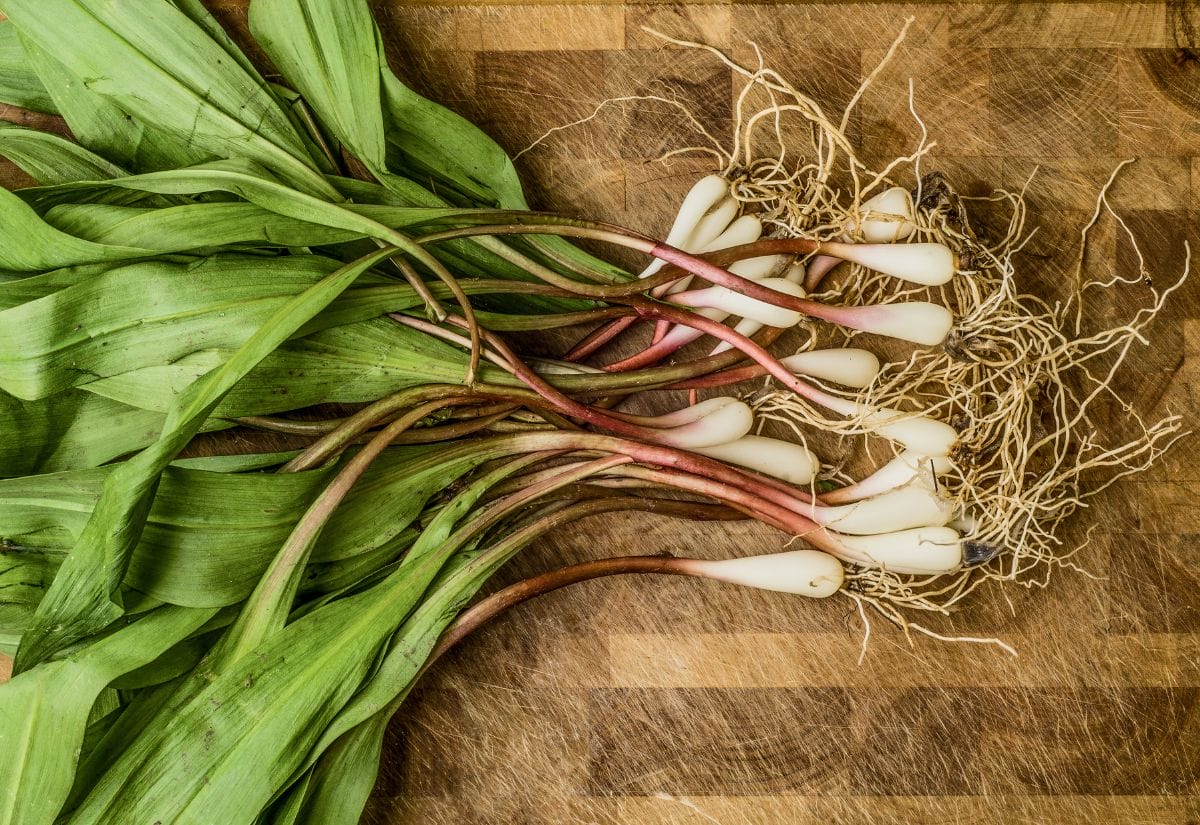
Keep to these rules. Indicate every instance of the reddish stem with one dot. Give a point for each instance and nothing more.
(561, 401)
(770, 490)
(817, 269)
(720, 379)
(503, 600)
(597, 338)
(655, 309)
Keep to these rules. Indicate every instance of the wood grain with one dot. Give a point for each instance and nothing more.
(664, 701)
(673, 701)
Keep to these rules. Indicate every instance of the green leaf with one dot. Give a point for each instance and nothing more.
(19, 83)
(157, 64)
(433, 143)
(44, 711)
(325, 50)
(220, 224)
(101, 125)
(332, 51)
(208, 537)
(260, 713)
(110, 417)
(81, 599)
(348, 364)
(50, 159)
(287, 810)
(344, 776)
(210, 534)
(256, 719)
(29, 244)
(144, 313)
(73, 429)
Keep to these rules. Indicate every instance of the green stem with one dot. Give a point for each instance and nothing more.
(350, 428)
(267, 608)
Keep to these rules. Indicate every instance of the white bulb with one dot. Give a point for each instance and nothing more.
(710, 227)
(901, 470)
(804, 572)
(847, 366)
(724, 425)
(887, 217)
(705, 194)
(930, 264)
(755, 269)
(913, 505)
(693, 412)
(919, 433)
(795, 272)
(924, 551)
(735, 303)
(779, 459)
(746, 229)
(920, 322)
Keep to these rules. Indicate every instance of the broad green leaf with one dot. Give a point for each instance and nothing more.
(24, 575)
(245, 180)
(144, 313)
(251, 183)
(201, 225)
(287, 99)
(235, 463)
(103, 126)
(29, 244)
(255, 719)
(156, 63)
(325, 50)
(81, 599)
(344, 776)
(140, 711)
(220, 224)
(50, 159)
(331, 50)
(209, 535)
(19, 83)
(287, 809)
(73, 429)
(261, 712)
(201, 16)
(207, 539)
(427, 141)
(90, 425)
(348, 364)
(44, 711)
(23, 288)
(156, 313)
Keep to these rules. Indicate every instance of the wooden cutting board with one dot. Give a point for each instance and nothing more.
(671, 701)
(664, 701)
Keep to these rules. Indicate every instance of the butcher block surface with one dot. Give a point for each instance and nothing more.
(645, 701)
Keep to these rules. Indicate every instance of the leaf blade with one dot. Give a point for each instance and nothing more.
(81, 599)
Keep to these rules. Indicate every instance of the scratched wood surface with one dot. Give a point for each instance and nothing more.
(664, 701)
(669, 701)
